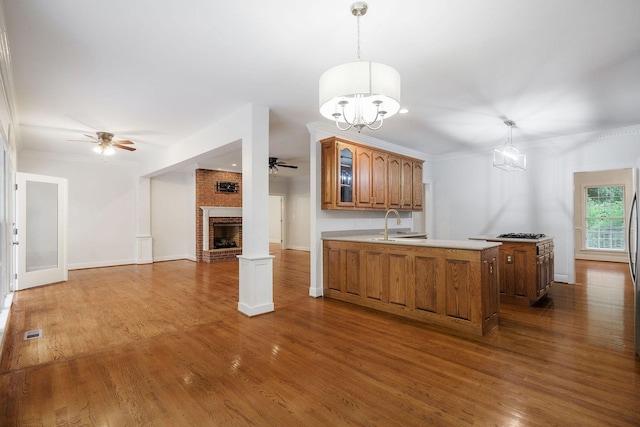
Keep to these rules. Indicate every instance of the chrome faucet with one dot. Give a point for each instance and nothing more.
(386, 228)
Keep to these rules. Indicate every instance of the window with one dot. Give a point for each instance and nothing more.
(604, 218)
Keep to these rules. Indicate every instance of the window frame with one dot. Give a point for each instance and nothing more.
(588, 231)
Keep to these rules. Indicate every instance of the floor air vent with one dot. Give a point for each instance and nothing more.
(32, 335)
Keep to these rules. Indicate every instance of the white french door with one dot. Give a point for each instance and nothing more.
(42, 230)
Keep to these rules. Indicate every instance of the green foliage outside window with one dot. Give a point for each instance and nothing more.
(605, 218)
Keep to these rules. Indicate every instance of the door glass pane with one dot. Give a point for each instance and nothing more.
(346, 175)
(42, 226)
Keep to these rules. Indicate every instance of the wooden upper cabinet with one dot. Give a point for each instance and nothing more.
(364, 197)
(356, 176)
(379, 179)
(406, 201)
(417, 186)
(328, 175)
(394, 200)
(346, 175)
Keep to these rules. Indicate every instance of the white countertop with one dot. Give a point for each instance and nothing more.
(394, 239)
(495, 238)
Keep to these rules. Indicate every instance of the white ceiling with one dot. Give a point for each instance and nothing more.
(157, 71)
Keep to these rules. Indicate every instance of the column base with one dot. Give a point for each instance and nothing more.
(256, 285)
(144, 250)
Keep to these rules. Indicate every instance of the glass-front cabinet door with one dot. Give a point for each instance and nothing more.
(345, 175)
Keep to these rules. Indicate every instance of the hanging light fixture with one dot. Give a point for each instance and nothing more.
(359, 94)
(509, 158)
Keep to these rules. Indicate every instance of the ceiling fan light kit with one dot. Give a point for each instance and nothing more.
(359, 94)
(509, 158)
(106, 145)
(104, 150)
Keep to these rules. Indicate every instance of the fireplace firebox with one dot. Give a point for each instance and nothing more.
(226, 236)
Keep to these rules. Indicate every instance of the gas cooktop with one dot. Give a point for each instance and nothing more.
(522, 235)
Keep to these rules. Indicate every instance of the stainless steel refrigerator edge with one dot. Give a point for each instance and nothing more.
(633, 237)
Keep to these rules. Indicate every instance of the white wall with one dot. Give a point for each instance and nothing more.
(298, 212)
(275, 218)
(173, 221)
(102, 206)
(296, 221)
(471, 197)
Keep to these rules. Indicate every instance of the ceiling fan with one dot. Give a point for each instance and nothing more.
(106, 144)
(274, 164)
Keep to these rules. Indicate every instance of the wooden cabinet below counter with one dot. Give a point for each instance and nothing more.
(456, 288)
(526, 269)
(358, 177)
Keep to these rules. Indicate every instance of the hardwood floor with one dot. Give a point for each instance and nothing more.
(164, 345)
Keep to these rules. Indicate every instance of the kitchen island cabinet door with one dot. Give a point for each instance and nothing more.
(375, 268)
(398, 278)
(341, 268)
(526, 271)
(425, 280)
(490, 292)
(333, 274)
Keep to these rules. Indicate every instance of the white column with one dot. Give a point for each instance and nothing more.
(255, 263)
(144, 242)
(315, 244)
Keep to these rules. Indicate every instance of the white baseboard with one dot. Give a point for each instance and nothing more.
(97, 264)
(173, 258)
(5, 310)
(299, 248)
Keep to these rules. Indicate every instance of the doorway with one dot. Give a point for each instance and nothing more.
(276, 229)
(42, 230)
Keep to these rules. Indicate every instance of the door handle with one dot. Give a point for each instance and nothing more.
(16, 243)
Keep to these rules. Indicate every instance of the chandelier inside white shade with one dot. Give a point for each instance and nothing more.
(371, 91)
(359, 94)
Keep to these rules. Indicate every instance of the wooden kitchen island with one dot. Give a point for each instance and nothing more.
(445, 282)
(526, 268)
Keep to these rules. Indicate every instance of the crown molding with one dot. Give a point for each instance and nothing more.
(555, 141)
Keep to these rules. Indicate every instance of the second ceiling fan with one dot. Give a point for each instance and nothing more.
(274, 164)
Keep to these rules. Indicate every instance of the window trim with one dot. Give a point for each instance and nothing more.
(607, 178)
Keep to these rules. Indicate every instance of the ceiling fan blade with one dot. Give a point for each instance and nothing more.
(123, 141)
(82, 140)
(288, 166)
(92, 137)
(124, 147)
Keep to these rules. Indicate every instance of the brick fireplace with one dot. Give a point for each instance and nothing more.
(218, 215)
(221, 234)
